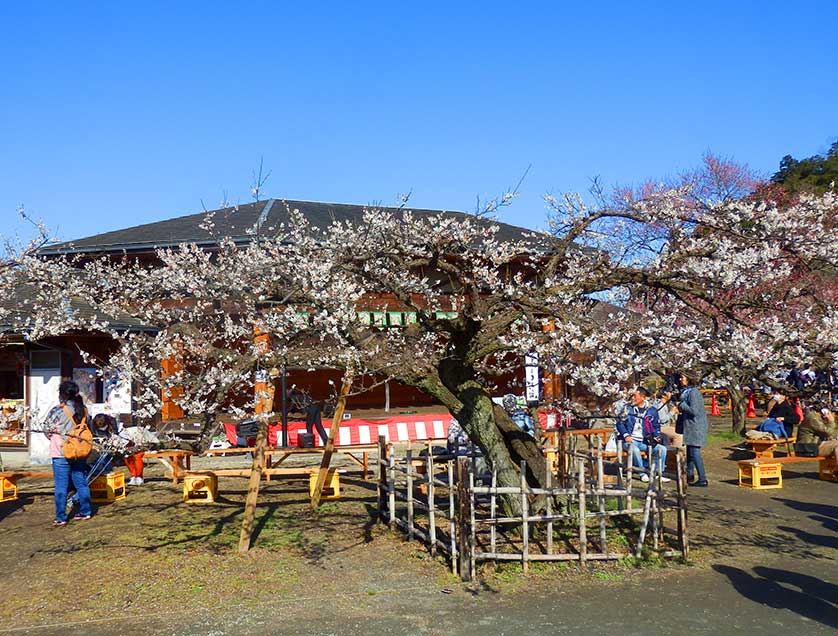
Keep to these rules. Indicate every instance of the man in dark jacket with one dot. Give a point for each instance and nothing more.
(298, 401)
(641, 431)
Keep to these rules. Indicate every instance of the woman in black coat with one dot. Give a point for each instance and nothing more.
(784, 412)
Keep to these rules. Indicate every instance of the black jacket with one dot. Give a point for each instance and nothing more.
(787, 412)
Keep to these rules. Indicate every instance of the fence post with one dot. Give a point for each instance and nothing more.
(647, 508)
(431, 503)
(463, 518)
(549, 484)
(472, 521)
(391, 485)
(409, 460)
(382, 477)
(583, 506)
(621, 475)
(629, 477)
(525, 520)
(452, 529)
(600, 484)
(681, 484)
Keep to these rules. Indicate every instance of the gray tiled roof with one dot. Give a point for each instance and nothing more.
(18, 314)
(238, 223)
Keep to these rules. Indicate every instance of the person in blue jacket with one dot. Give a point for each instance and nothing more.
(641, 431)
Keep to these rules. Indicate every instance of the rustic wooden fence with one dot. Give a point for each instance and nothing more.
(592, 512)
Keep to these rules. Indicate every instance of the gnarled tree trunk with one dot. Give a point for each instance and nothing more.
(738, 408)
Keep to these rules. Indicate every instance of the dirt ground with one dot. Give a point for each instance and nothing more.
(150, 564)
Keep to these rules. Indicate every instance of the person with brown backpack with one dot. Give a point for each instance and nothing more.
(70, 442)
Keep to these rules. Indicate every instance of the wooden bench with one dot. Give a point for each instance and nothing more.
(764, 448)
(8, 481)
(761, 474)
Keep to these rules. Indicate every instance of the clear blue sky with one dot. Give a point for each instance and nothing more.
(114, 114)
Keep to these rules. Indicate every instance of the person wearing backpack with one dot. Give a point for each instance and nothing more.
(70, 442)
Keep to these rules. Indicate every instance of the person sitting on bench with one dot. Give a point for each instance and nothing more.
(641, 431)
(783, 412)
(819, 427)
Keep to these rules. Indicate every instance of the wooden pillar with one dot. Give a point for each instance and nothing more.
(171, 410)
(263, 385)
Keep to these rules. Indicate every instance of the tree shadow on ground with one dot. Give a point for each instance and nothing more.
(813, 598)
(737, 529)
(824, 514)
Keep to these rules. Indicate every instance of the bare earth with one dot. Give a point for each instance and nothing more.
(151, 565)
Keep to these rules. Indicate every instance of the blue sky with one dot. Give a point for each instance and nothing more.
(116, 114)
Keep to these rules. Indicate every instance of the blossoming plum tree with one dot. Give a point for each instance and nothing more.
(683, 280)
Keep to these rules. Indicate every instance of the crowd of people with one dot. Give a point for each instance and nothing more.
(646, 423)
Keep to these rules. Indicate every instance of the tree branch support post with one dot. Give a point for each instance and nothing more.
(253, 486)
(330, 443)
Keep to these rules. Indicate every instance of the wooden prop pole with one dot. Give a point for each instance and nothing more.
(330, 443)
(253, 486)
(257, 466)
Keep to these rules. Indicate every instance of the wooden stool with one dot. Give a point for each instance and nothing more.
(331, 487)
(108, 488)
(760, 475)
(828, 469)
(8, 487)
(200, 487)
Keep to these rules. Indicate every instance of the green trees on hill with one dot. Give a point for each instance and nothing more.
(816, 174)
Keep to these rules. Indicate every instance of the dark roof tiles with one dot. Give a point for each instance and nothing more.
(238, 223)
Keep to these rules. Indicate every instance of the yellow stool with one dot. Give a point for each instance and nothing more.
(760, 475)
(828, 469)
(200, 487)
(8, 488)
(108, 488)
(331, 487)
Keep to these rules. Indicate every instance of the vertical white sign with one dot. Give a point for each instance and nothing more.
(43, 395)
(531, 378)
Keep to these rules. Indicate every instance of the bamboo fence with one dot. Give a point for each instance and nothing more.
(442, 501)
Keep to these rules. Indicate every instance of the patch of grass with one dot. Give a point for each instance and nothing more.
(607, 576)
(725, 436)
(447, 578)
(543, 567)
(328, 508)
(508, 572)
(629, 561)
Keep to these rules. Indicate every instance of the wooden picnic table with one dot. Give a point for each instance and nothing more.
(357, 453)
(177, 462)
